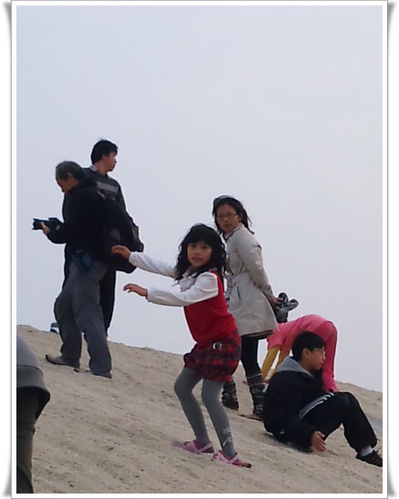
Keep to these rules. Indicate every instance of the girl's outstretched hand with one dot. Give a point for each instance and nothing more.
(121, 250)
(135, 288)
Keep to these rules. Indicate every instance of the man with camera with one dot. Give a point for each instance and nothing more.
(77, 308)
(103, 158)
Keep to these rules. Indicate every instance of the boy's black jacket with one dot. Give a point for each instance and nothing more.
(289, 391)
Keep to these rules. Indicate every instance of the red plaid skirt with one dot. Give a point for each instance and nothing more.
(217, 360)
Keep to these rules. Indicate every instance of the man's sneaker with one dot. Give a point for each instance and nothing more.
(372, 458)
(59, 361)
(54, 328)
(106, 374)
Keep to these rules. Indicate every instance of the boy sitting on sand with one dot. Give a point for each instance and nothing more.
(296, 408)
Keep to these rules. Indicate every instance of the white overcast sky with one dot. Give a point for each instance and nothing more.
(280, 105)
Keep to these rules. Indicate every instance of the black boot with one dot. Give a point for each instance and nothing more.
(229, 395)
(257, 388)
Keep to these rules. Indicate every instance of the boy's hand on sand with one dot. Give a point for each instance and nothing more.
(121, 250)
(135, 288)
(317, 441)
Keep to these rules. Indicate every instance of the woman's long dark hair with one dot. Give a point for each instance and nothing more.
(237, 207)
(197, 233)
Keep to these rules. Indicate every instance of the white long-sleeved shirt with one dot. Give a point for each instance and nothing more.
(202, 297)
(191, 289)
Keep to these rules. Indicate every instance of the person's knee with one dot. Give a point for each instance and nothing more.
(61, 306)
(343, 400)
(351, 400)
(179, 388)
(57, 308)
(93, 327)
(209, 399)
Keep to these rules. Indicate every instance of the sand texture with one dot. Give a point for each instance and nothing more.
(114, 436)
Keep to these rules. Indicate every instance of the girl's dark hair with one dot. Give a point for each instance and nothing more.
(308, 340)
(197, 233)
(237, 207)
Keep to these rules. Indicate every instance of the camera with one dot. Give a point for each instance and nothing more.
(51, 223)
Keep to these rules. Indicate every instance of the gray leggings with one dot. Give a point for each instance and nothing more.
(210, 395)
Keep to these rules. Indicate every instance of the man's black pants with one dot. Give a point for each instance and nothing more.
(107, 293)
(329, 412)
(107, 296)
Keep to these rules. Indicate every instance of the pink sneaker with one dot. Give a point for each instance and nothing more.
(221, 457)
(193, 447)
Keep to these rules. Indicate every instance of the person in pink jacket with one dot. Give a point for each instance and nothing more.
(282, 339)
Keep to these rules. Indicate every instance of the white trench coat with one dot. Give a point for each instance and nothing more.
(248, 291)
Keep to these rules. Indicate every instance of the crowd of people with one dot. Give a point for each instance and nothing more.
(229, 306)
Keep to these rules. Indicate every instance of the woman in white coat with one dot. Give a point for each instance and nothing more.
(249, 295)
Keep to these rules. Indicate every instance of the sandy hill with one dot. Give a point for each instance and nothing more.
(114, 436)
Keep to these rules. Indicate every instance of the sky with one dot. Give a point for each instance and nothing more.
(279, 105)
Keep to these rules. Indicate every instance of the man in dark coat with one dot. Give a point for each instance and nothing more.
(77, 308)
(103, 158)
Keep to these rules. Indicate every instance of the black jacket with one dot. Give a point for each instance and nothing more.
(107, 185)
(289, 391)
(83, 220)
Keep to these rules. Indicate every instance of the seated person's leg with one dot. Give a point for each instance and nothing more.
(27, 406)
(326, 413)
(342, 408)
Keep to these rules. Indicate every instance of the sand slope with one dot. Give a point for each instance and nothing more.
(114, 436)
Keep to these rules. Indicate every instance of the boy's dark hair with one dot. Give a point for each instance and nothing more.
(237, 207)
(102, 147)
(308, 340)
(63, 169)
(197, 233)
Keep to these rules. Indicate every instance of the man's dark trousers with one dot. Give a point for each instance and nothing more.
(107, 296)
(342, 408)
(107, 293)
(77, 309)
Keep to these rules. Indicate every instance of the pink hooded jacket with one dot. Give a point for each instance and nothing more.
(286, 333)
